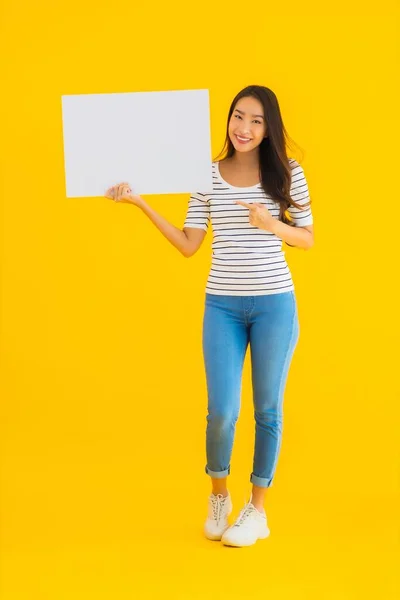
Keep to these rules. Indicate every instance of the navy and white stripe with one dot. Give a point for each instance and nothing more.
(246, 260)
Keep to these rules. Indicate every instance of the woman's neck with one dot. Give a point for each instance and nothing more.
(245, 160)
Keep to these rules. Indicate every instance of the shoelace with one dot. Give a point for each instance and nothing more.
(217, 503)
(244, 514)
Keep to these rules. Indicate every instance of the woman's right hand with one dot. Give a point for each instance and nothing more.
(122, 193)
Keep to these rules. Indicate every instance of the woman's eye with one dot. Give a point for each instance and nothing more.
(255, 121)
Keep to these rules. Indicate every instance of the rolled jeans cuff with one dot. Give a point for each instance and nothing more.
(218, 474)
(260, 481)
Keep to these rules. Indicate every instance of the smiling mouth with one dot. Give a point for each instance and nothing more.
(242, 140)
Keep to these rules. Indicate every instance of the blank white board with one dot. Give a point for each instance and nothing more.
(159, 142)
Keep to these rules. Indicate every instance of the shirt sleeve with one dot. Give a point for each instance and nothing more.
(300, 194)
(198, 212)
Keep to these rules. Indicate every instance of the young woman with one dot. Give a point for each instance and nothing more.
(259, 199)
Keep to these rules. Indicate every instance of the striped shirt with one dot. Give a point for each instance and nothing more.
(246, 260)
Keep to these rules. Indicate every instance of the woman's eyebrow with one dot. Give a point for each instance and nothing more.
(242, 113)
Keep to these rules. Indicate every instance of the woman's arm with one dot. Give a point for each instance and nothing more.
(260, 216)
(301, 237)
(187, 241)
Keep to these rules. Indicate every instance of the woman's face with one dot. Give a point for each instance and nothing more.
(247, 126)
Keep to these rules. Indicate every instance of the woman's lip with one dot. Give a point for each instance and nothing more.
(242, 141)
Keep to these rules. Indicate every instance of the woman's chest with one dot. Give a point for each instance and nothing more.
(226, 201)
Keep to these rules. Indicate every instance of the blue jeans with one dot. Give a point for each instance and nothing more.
(270, 324)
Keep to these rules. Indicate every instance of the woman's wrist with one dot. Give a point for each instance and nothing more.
(140, 203)
(273, 226)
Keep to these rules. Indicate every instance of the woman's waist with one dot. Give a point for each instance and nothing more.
(249, 258)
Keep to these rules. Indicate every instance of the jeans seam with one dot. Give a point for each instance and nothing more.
(284, 370)
(248, 313)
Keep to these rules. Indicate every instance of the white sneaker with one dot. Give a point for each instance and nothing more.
(250, 526)
(219, 508)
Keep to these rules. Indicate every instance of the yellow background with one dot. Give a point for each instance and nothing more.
(103, 490)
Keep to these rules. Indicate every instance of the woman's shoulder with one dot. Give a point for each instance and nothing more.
(295, 165)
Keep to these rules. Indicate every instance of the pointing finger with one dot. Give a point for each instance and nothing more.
(245, 204)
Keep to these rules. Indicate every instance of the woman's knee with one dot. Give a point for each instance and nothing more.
(222, 420)
(271, 417)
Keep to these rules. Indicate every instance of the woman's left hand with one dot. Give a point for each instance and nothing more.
(259, 215)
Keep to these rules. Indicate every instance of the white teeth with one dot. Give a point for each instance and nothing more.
(243, 139)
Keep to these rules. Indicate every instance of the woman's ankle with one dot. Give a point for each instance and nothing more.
(223, 493)
(219, 486)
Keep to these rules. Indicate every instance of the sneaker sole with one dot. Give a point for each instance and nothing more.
(263, 536)
(215, 537)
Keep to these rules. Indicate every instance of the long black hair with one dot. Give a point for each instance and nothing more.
(275, 171)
